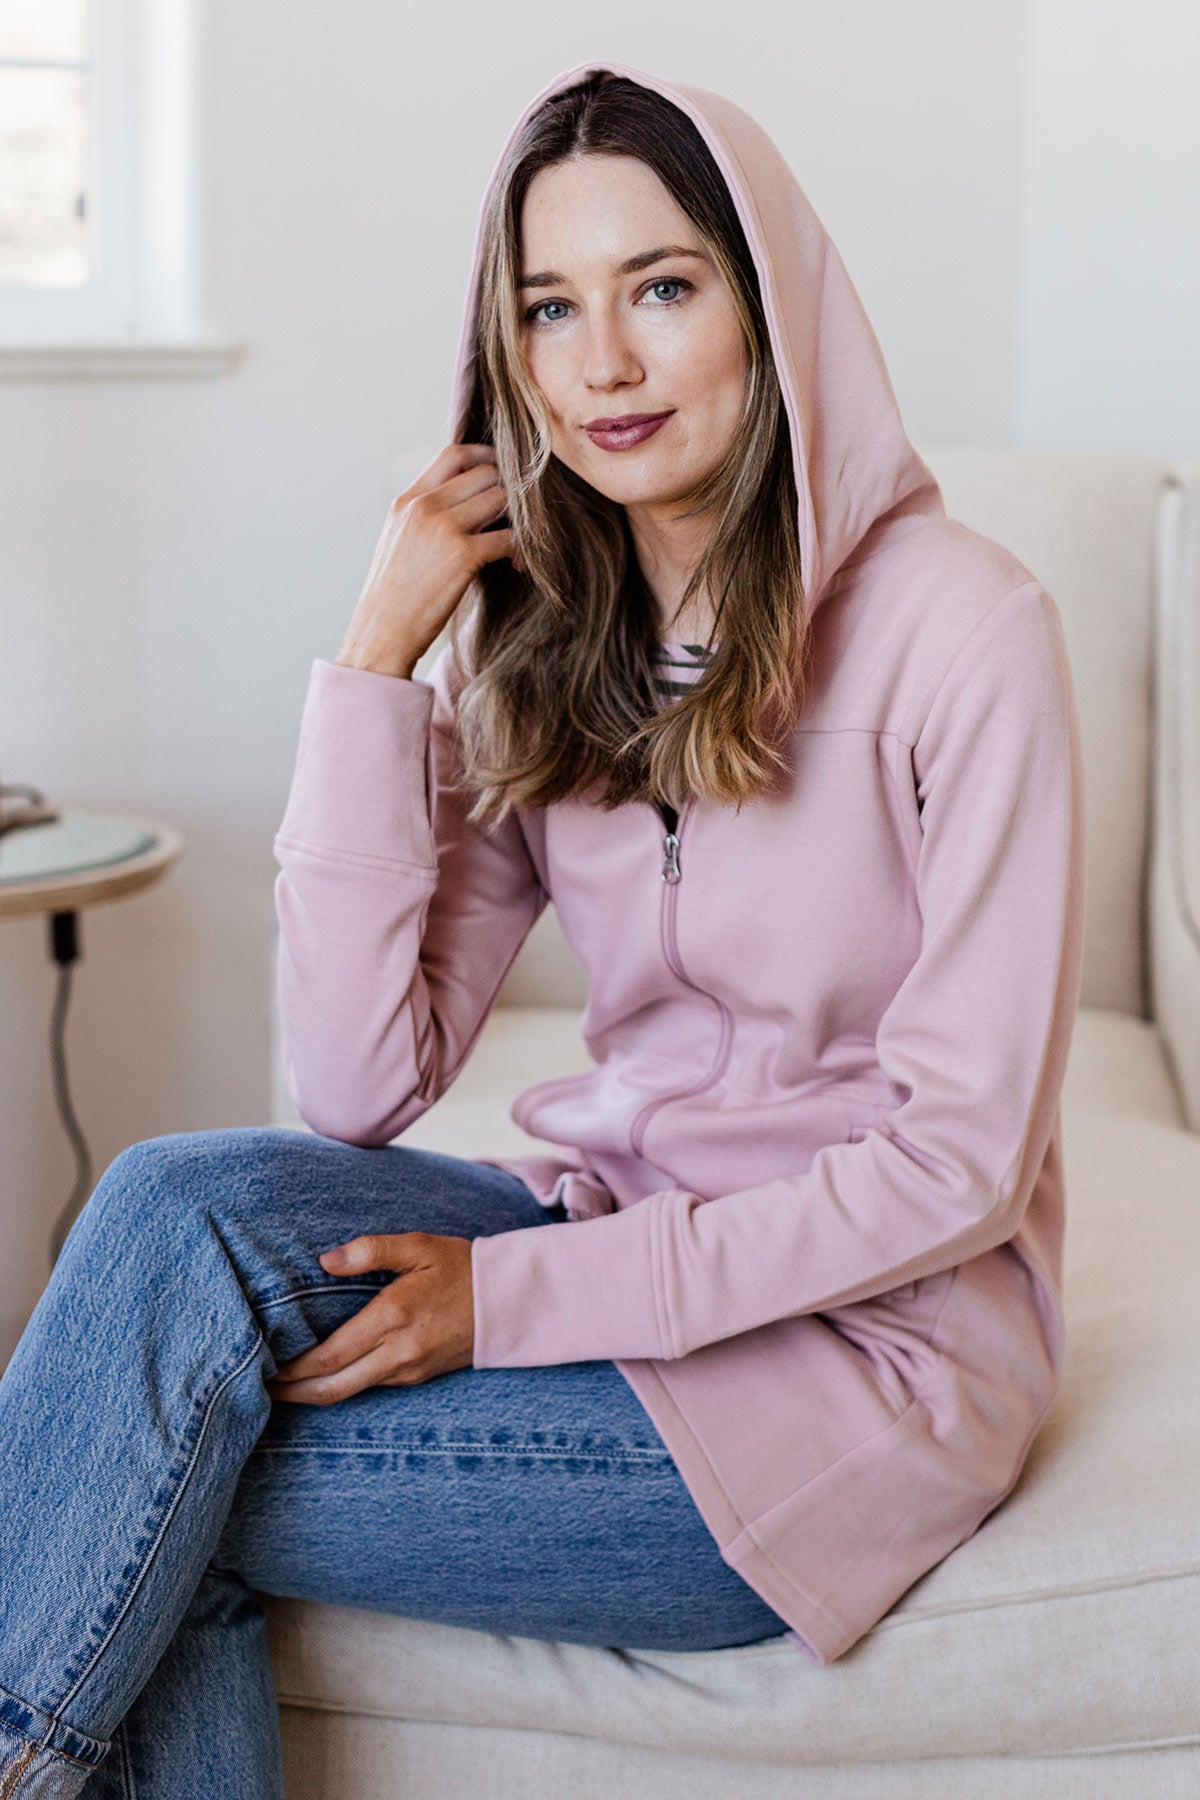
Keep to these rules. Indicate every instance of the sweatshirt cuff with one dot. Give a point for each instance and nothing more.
(581, 1290)
(364, 767)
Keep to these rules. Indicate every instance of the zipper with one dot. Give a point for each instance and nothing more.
(670, 869)
(672, 874)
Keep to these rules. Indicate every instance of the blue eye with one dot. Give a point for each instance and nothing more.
(531, 315)
(670, 281)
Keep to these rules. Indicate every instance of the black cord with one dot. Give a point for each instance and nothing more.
(64, 948)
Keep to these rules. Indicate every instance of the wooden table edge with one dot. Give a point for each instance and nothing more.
(102, 882)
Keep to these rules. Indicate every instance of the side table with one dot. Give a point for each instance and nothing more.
(81, 858)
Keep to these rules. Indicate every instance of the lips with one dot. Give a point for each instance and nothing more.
(624, 433)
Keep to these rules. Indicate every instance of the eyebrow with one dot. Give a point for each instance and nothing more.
(631, 266)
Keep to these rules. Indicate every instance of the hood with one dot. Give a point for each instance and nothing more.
(857, 475)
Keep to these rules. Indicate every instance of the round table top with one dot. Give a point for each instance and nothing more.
(84, 856)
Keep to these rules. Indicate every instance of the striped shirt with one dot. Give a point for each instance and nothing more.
(677, 667)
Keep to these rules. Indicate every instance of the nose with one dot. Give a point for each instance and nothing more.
(609, 359)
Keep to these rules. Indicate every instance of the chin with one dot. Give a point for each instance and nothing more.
(644, 487)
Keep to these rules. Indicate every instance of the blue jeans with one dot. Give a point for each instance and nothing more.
(150, 1488)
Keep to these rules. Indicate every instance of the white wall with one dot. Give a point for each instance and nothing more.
(1109, 340)
(173, 555)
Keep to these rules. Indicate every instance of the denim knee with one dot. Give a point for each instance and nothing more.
(157, 1185)
(176, 1214)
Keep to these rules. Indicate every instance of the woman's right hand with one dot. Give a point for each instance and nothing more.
(430, 550)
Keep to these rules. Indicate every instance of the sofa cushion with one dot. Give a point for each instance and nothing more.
(1118, 1066)
(1083, 525)
(1069, 1621)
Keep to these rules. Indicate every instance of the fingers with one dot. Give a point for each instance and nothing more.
(481, 477)
(377, 1250)
(480, 509)
(473, 499)
(412, 1329)
(356, 1338)
(495, 544)
(376, 1368)
(372, 1323)
(449, 462)
(467, 483)
(474, 495)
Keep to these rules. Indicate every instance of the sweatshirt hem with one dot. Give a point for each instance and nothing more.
(813, 1629)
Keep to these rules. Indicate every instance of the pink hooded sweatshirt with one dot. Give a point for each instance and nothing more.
(815, 1178)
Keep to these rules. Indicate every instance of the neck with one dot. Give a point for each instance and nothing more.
(668, 549)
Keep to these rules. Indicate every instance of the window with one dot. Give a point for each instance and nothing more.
(45, 153)
(95, 175)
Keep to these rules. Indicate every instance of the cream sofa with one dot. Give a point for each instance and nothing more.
(1056, 1653)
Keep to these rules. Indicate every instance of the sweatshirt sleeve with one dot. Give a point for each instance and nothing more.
(976, 1038)
(398, 920)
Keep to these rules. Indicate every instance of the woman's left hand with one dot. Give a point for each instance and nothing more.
(418, 1326)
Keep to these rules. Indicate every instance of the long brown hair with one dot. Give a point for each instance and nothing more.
(559, 698)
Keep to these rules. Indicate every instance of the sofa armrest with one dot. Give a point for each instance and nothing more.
(1173, 911)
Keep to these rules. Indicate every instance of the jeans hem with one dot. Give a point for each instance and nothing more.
(42, 1765)
(29, 1724)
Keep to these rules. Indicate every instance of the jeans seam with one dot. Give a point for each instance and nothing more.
(168, 1514)
(325, 1287)
(17, 1769)
(452, 1449)
(128, 1785)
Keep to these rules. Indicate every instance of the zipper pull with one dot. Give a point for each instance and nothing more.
(670, 870)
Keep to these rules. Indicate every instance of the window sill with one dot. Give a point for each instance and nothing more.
(119, 360)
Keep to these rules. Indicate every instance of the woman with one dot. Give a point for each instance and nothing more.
(795, 757)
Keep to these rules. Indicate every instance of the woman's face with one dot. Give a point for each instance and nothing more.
(603, 340)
